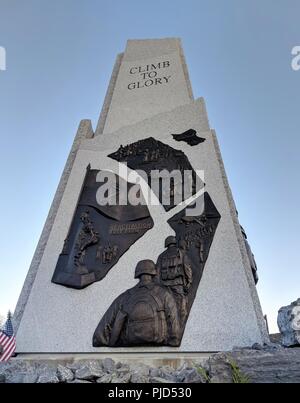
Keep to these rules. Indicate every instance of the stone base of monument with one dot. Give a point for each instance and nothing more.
(174, 360)
(271, 363)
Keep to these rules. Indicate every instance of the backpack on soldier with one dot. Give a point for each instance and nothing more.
(146, 320)
(171, 265)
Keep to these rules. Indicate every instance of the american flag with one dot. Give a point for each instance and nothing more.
(7, 340)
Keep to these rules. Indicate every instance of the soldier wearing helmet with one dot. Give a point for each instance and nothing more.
(143, 315)
(145, 267)
(175, 272)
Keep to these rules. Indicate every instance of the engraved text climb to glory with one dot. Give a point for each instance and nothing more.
(147, 75)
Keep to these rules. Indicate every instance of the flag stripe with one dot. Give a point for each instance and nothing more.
(2, 340)
(3, 337)
(10, 350)
(6, 354)
(7, 340)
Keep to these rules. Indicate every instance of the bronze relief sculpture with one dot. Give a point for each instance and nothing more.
(190, 137)
(98, 236)
(151, 155)
(155, 311)
(143, 315)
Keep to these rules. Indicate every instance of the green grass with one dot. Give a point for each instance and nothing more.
(204, 374)
(237, 374)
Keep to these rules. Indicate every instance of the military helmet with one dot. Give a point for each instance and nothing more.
(170, 240)
(145, 267)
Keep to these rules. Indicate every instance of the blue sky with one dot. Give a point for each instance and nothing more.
(60, 54)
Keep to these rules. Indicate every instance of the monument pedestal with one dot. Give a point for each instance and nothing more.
(155, 360)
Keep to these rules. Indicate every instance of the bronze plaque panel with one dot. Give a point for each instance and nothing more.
(155, 311)
(150, 155)
(98, 236)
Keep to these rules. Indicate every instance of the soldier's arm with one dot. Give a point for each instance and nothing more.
(103, 331)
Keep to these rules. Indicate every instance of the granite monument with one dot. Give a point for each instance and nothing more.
(142, 250)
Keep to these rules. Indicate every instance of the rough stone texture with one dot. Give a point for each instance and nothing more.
(136, 378)
(168, 373)
(270, 363)
(117, 378)
(140, 369)
(48, 375)
(48, 378)
(105, 379)
(88, 374)
(22, 371)
(188, 375)
(140, 373)
(267, 365)
(157, 379)
(275, 338)
(155, 372)
(64, 374)
(108, 364)
(289, 324)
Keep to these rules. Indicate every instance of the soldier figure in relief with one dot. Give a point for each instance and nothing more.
(175, 272)
(143, 315)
